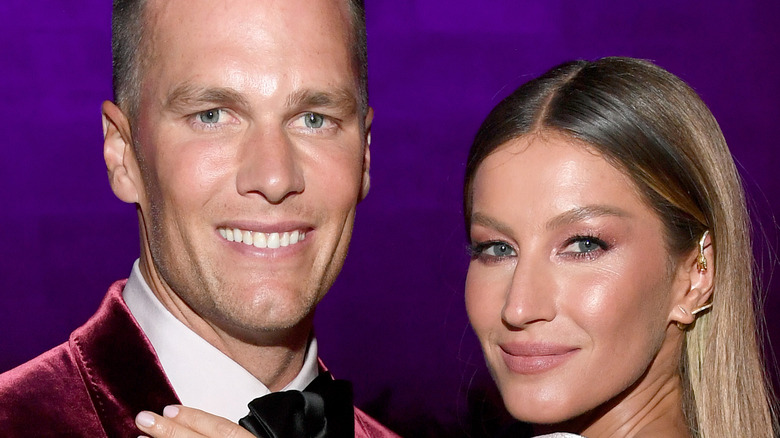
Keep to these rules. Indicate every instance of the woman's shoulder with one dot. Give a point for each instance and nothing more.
(560, 435)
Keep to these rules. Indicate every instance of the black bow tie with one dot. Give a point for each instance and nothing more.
(323, 410)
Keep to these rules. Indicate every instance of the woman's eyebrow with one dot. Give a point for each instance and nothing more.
(491, 222)
(585, 212)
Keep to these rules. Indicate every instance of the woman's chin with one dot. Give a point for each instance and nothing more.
(542, 411)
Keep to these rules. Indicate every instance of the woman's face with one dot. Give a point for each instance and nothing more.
(569, 287)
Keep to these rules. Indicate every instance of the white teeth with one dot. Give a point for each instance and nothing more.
(273, 240)
(259, 240)
(262, 240)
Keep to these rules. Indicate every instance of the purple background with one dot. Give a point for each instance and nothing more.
(394, 323)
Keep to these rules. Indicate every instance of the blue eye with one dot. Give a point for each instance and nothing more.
(499, 249)
(584, 245)
(313, 120)
(492, 250)
(210, 116)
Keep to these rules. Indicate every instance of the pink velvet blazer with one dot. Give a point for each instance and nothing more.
(94, 384)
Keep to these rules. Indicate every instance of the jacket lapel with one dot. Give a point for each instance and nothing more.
(120, 370)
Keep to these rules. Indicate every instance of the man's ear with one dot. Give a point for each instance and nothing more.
(694, 283)
(121, 162)
(366, 180)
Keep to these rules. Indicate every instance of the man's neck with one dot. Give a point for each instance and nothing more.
(274, 358)
(274, 363)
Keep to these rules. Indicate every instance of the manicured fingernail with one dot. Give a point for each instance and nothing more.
(144, 419)
(170, 411)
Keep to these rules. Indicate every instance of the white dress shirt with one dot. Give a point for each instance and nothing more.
(202, 376)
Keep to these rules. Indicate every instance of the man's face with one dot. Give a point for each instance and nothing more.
(250, 149)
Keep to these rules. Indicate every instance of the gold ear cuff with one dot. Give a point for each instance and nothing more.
(701, 261)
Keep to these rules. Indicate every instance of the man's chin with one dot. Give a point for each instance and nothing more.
(268, 326)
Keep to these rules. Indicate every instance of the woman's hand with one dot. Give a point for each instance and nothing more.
(183, 422)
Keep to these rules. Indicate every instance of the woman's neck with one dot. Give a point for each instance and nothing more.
(651, 407)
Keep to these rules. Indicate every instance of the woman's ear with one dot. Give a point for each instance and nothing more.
(121, 163)
(694, 282)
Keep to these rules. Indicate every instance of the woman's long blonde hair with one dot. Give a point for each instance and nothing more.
(654, 127)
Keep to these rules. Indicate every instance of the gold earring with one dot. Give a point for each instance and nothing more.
(701, 261)
(681, 325)
(701, 309)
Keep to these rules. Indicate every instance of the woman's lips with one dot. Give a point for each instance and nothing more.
(535, 358)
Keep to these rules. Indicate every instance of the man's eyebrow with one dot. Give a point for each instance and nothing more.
(186, 95)
(581, 213)
(339, 98)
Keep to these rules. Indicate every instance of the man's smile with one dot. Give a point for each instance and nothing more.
(263, 240)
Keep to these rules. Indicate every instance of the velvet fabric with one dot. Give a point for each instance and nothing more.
(94, 384)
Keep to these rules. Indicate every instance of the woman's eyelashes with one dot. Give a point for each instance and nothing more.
(492, 250)
(579, 246)
(584, 246)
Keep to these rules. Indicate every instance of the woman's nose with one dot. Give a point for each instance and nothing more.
(531, 294)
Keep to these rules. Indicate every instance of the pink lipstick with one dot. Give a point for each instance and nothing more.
(535, 358)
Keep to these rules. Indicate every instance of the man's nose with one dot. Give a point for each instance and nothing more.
(270, 166)
(531, 296)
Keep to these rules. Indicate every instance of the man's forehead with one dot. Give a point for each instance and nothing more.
(235, 60)
(205, 11)
(281, 28)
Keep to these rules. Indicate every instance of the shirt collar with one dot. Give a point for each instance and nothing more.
(202, 376)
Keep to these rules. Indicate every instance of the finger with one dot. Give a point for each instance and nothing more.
(161, 427)
(204, 423)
